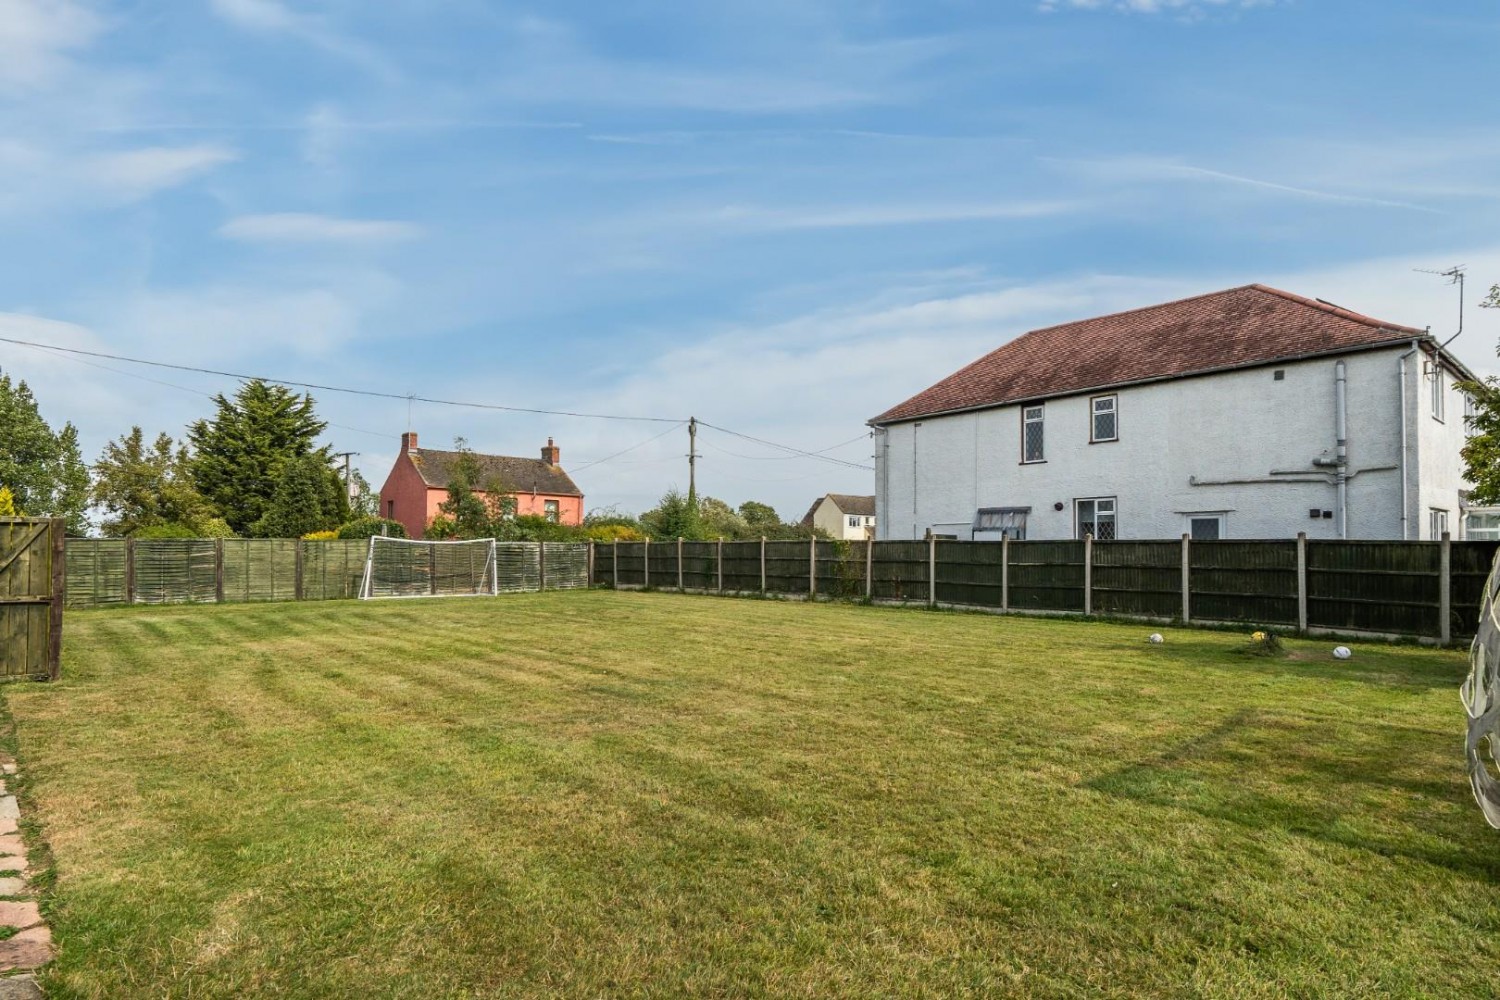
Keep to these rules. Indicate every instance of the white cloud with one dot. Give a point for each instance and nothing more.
(257, 15)
(37, 35)
(296, 227)
(139, 173)
(271, 17)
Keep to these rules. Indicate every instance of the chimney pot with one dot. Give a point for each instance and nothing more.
(551, 454)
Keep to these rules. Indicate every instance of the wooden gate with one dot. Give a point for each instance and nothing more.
(31, 596)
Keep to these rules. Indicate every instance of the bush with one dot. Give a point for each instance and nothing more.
(613, 532)
(320, 536)
(365, 527)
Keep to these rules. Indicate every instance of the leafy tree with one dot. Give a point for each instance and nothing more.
(675, 517)
(8, 503)
(760, 518)
(140, 486)
(241, 453)
(44, 470)
(719, 520)
(469, 513)
(363, 500)
(1481, 452)
(309, 497)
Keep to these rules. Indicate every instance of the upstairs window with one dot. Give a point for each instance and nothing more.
(1106, 423)
(854, 521)
(1437, 523)
(1096, 516)
(1437, 391)
(551, 510)
(1031, 434)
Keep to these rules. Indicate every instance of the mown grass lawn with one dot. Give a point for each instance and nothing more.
(599, 795)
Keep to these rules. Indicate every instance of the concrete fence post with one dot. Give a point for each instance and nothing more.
(219, 570)
(130, 571)
(646, 564)
(57, 530)
(298, 570)
(1005, 573)
(541, 566)
(591, 563)
(719, 553)
(1445, 590)
(762, 564)
(679, 563)
(931, 570)
(614, 562)
(869, 569)
(1088, 573)
(1187, 563)
(812, 567)
(1302, 581)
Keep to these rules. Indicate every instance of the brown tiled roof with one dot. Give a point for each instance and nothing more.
(845, 502)
(514, 475)
(1236, 328)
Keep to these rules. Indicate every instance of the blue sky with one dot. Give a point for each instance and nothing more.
(781, 217)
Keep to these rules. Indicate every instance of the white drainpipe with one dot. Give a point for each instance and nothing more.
(1341, 441)
(1405, 506)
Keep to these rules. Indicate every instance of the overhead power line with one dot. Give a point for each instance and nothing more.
(788, 448)
(241, 376)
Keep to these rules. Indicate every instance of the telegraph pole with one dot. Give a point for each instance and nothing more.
(348, 472)
(693, 457)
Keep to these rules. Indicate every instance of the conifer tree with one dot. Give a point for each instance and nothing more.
(242, 452)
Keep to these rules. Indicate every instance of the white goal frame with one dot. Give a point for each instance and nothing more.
(490, 574)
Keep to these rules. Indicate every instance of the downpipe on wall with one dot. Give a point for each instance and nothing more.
(1401, 377)
(1340, 462)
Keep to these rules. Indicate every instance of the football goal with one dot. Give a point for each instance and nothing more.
(402, 567)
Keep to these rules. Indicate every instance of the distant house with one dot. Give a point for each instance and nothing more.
(418, 485)
(843, 516)
(1246, 413)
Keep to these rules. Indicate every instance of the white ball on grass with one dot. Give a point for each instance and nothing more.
(1155, 637)
(1342, 652)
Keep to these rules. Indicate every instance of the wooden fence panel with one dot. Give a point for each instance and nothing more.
(841, 568)
(567, 565)
(787, 568)
(1046, 576)
(177, 571)
(742, 566)
(1138, 578)
(1374, 586)
(631, 556)
(970, 573)
(1251, 582)
(604, 564)
(255, 569)
(96, 572)
(1469, 568)
(32, 592)
(333, 569)
(900, 571)
(700, 565)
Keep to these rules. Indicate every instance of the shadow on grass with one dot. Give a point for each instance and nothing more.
(1389, 667)
(1388, 790)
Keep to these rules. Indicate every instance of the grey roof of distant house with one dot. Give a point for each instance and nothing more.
(512, 474)
(847, 503)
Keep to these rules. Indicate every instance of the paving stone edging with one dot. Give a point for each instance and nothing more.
(30, 947)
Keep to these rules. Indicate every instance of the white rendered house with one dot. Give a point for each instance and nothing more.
(1247, 413)
(851, 518)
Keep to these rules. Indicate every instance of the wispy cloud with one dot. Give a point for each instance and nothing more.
(36, 37)
(859, 216)
(1151, 169)
(271, 17)
(139, 173)
(295, 227)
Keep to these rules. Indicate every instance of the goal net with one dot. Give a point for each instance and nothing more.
(401, 567)
(1481, 696)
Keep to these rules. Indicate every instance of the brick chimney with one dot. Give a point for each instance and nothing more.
(552, 453)
(409, 442)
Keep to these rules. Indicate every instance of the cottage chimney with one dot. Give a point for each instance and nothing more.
(552, 453)
(409, 442)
